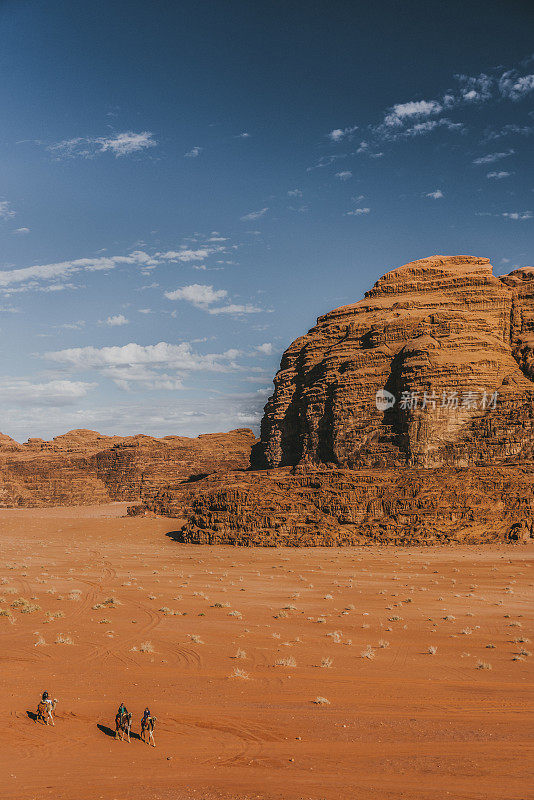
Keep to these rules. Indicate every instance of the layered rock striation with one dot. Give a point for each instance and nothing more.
(84, 468)
(446, 456)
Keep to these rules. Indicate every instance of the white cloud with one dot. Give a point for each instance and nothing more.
(344, 176)
(294, 193)
(6, 212)
(122, 144)
(518, 215)
(435, 195)
(490, 158)
(180, 357)
(234, 308)
(514, 86)
(474, 89)
(266, 348)
(255, 214)
(416, 108)
(357, 212)
(338, 134)
(20, 231)
(51, 393)
(194, 152)
(244, 135)
(498, 175)
(117, 320)
(186, 255)
(63, 269)
(199, 295)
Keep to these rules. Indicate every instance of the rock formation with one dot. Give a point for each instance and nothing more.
(448, 454)
(82, 467)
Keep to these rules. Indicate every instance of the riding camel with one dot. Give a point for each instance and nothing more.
(147, 725)
(123, 725)
(45, 711)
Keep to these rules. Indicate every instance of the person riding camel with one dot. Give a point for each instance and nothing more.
(146, 714)
(122, 711)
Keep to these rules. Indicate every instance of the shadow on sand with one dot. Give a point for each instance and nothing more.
(177, 536)
(111, 731)
(32, 715)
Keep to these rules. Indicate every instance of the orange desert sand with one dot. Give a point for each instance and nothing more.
(233, 649)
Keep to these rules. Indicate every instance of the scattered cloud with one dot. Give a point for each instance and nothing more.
(266, 348)
(235, 308)
(357, 212)
(255, 215)
(6, 212)
(338, 134)
(180, 357)
(194, 152)
(244, 135)
(63, 269)
(122, 144)
(414, 109)
(51, 393)
(199, 295)
(518, 215)
(20, 231)
(204, 297)
(294, 193)
(344, 176)
(515, 86)
(117, 321)
(498, 175)
(490, 158)
(437, 194)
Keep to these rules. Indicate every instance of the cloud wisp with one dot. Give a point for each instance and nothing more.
(204, 297)
(122, 144)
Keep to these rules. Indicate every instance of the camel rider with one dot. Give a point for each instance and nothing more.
(146, 715)
(122, 711)
(46, 698)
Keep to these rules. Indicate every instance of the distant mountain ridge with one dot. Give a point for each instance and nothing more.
(83, 467)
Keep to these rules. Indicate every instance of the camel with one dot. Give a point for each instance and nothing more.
(148, 724)
(44, 711)
(123, 725)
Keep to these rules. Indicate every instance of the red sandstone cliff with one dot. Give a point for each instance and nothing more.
(82, 467)
(456, 466)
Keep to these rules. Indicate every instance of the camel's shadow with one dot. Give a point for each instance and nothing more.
(32, 715)
(111, 732)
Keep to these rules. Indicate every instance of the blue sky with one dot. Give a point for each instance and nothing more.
(186, 186)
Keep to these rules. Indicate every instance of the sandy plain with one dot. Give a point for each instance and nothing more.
(231, 648)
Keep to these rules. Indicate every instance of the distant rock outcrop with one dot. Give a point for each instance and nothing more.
(406, 417)
(83, 467)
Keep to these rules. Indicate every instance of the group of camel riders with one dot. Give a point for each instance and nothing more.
(123, 719)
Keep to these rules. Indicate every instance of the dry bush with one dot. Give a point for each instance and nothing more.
(383, 643)
(326, 661)
(432, 650)
(321, 701)
(146, 647)
(62, 639)
(483, 665)
(239, 673)
(240, 653)
(368, 652)
(286, 662)
(194, 638)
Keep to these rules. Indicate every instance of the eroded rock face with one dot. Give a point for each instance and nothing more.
(82, 467)
(339, 470)
(444, 326)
